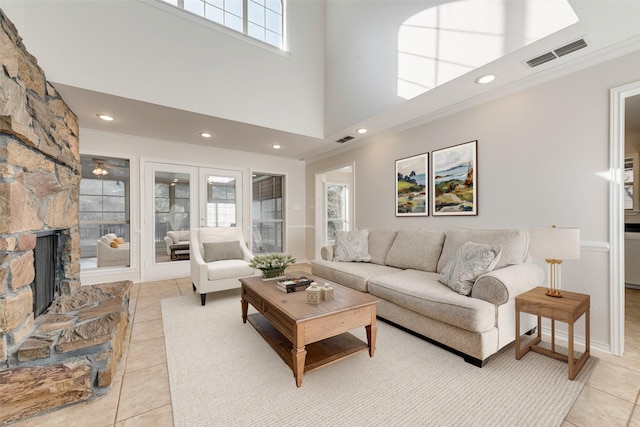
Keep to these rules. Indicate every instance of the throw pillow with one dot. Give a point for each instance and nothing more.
(219, 251)
(470, 261)
(114, 244)
(352, 246)
(119, 240)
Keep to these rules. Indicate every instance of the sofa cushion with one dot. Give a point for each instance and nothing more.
(228, 269)
(354, 275)
(469, 262)
(416, 249)
(514, 244)
(179, 236)
(380, 242)
(421, 292)
(217, 251)
(352, 246)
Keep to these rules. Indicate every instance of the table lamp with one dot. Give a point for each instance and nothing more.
(554, 245)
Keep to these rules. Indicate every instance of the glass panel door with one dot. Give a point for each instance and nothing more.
(171, 192)
(222, 205)
(337, 210)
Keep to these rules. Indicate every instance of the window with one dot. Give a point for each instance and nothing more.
(268, 221)
(259, 19)
(221, 201)
(630, 181)
(337, 210)
(104, 205)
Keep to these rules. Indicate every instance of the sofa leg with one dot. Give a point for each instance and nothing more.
(531, 331)
(203, 298)
(475, 362)
(194, 286)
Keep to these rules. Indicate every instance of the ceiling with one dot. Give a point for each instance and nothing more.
(157, 122)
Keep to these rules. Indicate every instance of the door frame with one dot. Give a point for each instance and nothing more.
(320, 205)
(152, 270)
(618, 96)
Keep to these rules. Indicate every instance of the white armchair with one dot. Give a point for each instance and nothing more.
(219, 258)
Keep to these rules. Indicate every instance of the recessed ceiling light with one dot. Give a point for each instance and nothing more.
(275, 146)
(361, 130)
(488, 78)
(105, 117)
(205, 134)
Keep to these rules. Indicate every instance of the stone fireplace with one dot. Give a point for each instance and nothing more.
(68, 352)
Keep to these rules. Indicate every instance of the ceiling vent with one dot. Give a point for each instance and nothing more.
(557, 53)
(571, 47)
(345, 139)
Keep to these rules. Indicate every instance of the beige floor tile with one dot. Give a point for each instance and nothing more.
(161, 417)
(594, 408)
(143, 391)
(148, 313)
(163, 292)
(148, 301)
(184, 281)
(147, 353)
(616, 380)
(185, 288)
(566, 423)
(143, 331)
(635, 417)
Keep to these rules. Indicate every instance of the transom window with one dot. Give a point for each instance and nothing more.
(259, 19)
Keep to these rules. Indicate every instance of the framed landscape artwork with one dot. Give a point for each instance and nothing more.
(411, 185)
(454, 180)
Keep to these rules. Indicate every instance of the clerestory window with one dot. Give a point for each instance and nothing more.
(259, 19)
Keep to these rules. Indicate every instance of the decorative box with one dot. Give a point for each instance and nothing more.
(327, 292)
(313, 293)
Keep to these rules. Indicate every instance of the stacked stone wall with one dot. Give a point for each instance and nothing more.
(69, 353)
(39, 184)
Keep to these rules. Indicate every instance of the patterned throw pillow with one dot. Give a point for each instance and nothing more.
(470, 261)
(352, 246)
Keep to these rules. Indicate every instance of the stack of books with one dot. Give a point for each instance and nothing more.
(292, 284)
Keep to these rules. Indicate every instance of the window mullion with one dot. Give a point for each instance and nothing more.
(245, 16)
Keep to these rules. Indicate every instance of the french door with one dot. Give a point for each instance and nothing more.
(178, 198)
(221, 198)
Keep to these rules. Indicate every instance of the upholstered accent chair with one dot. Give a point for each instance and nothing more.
(219, 258)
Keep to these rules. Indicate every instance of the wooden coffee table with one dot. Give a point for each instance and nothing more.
(309, 336)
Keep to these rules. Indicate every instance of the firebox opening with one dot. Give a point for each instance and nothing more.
(47, 264)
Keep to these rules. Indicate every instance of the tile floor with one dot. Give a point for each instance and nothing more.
(140, 393)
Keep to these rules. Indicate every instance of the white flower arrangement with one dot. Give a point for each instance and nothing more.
(270, 262)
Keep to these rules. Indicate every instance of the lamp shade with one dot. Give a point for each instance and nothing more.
(555, 243)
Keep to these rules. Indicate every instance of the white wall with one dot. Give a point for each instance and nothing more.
(141, 50)
(543, 159)
(140, 150)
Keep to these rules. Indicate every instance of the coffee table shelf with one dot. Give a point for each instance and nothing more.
(319, 353)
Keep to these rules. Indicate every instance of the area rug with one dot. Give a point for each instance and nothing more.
(222, 373)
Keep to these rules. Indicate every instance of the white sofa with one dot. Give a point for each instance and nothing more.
(177, 238)
(109, 256)
(404, 271)
(219, 258)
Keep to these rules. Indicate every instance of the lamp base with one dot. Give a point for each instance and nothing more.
(554, 293)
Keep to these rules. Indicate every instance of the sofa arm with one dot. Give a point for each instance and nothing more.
(326, 252)
(499, 286)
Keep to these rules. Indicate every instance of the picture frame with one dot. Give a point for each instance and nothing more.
(412, 186)
(454, 180)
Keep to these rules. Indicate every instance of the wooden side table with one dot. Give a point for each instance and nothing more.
(567, 309)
